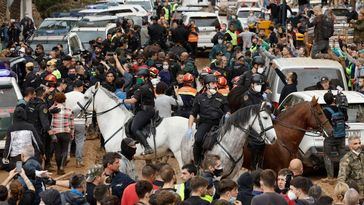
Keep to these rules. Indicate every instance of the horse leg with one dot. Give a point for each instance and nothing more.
(178, 156)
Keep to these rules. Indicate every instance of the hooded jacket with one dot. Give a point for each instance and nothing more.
(73, 197)
(20, 134)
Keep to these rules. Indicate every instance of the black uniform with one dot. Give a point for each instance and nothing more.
(50, 97)
(256, 147)
(157, 35)
(30, 80)
(38, 115)
(210, 109)
(144, 111)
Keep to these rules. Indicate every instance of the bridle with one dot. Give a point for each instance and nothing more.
(262, 135)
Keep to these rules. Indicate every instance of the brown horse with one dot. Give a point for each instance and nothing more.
(290, 127)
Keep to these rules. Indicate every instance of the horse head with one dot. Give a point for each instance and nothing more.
(86, 103)
(317, 118)
(262, 124)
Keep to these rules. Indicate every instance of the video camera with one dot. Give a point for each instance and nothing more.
(340, 99)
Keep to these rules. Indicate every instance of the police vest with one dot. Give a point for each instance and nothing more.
(166, 13)
(174, 7)
(234, 37)
(185, 90)
(193, 36)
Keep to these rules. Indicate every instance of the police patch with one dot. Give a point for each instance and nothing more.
(50, 97)
(246, 97)
(45, 110)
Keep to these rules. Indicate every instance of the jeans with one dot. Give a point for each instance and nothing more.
(321, 46)
(61, 149)
(334, 150)
(80, 135)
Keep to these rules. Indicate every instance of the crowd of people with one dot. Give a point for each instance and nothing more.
(152, 67)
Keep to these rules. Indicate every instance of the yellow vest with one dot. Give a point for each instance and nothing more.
(166, 13)
(181, 190)
(174, 7)
(234, 37)
(207, 198)
(57, 74)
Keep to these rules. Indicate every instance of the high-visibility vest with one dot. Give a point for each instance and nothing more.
(234, 37)
(186, 90)
(166, 13)
(207, 198)
(57, 74)
(193, 36)
(224, 91)
(174, 7)
(300, 37)
(180, 190)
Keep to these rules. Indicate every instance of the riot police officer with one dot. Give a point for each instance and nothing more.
(211, 106)
(38, 115)
(254, 96)
(144, 99)
(258, 68)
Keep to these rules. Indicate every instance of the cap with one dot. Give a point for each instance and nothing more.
(93, 172)
(129, 141)
(29, 64)
(67, 58)
(50, 196)
(78, 83)
(324, 79)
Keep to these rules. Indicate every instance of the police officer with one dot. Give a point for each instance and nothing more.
(188, 94)
(51, 83)
(30, 79)
(144, 99)
(210, 106)
(258, 67)
(157, 33)
(254, 96)
(38, 115)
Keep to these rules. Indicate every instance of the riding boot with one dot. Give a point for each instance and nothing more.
(143, 140)
(197, 155)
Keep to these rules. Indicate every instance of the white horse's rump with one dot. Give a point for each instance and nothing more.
(169, 133)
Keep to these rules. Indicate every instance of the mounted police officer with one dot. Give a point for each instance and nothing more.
(144, 99)
(211, 106)
(258, 68)
(254, 96)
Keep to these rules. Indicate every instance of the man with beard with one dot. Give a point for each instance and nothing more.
(351, 165)
(127, 165)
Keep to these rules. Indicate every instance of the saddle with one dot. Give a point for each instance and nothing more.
(149, 129)
(211, 137)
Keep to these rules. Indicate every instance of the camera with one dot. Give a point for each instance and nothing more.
(341, 100)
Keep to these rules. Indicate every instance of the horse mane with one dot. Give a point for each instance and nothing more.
(240, 117)
(113, 97)
(291, 109)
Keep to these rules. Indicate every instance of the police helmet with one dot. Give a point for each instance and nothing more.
(143, 73)
(210, 79)
(257, 78)
(258, 60)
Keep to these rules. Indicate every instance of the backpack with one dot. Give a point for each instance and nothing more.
(338, 123)
(327, 26)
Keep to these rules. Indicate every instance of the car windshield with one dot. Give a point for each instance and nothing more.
(245, 14)
(48, 45)
(87, 36)
(356, 113)
(205, 21)
(145, 4)
(57, 24)
(8, 96)
(306, 79)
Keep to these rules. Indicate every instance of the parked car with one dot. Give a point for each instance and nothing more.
(181, 10)
(146, 4)
(56, 26)
(206, 23)
(309, 72)
(244, 12)
(9, 95)
(311, 147)
(71, 43)
(114, 10)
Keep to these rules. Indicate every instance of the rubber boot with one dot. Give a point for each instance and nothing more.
(142, 139)
(197, 155)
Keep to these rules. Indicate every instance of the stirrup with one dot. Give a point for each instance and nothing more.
(148, 150)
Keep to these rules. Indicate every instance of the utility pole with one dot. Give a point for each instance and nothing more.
(26, 8)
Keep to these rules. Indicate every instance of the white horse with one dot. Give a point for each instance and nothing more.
(252, 121)
(112, 116)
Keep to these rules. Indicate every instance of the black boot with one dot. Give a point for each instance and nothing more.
(197, 155)
(142, 139)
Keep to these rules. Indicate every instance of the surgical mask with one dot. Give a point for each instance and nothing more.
(292, 196)
(232, 200)
(289, 27)
(21, 54)
(260, 70)
(218, 172)
(219, 41)
(212, 91)
(72, 76)
(258, 88)
(165, 67)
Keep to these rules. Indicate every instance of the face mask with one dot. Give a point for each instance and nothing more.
(21, 54)
(292, 196)
(72, 76)
(232, 200)
(165, 67)
(219, 41)
(258, 88)
(260, 70)
(139, 81)
(212, 91)
(289, 27)
(218, 172)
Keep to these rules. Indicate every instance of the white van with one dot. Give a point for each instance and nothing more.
(311, 147)
(113, 10)
(205, 23)
(309, 72)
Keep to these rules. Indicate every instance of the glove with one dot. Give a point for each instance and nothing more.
(189, 132)
(227, 115)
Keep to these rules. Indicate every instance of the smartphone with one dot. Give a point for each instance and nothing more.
(19, 166)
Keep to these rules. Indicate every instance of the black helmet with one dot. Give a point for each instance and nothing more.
(154, 18)
(143, 72)
(210, 78)
(257, 78)
(258, 60)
